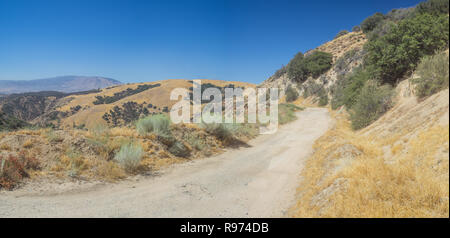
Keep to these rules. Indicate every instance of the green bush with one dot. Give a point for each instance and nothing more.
(8, 122)
(158, 124)
(397, 15)
(383, 28)
(341, 33)
(223, 131)
(398, 52)
(194, 140)
(346, 91)
(129, 156)
(286, 113)
(433, 75)
(371, 22)
(315, 64)
(343, 61)
(434, 7)
(179, 149)
(280, 72)
(291, 94)
(323, 98)
(356, 29)
(296, 68)
(373, 101)
(318, 63)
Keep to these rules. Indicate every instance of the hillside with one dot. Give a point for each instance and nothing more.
(90, 108)
(82, 144)
(153, 98)
(350, 43)
(10, 123)
(66, 84)
(396, 167)
(388, 153)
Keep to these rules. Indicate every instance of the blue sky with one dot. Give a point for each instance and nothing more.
(137, 41)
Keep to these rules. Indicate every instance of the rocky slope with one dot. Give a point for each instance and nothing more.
(352, 42)
(396, 167)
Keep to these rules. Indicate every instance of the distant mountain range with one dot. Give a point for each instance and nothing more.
(66, 84)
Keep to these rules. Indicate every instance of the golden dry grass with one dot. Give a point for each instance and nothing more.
(89, 154)
(412, 184)
(28, 144)
(338, 47)
(91, 115)
(5, 147)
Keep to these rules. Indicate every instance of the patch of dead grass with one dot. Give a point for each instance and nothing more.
(415, 184)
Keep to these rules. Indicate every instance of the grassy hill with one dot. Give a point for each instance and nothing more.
(156, 99)
(10, 123)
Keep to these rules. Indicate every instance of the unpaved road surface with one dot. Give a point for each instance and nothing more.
(255, 181)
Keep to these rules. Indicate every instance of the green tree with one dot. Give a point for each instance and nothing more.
(399, 51)
(371, 22)
(318, 63)
(296, 69)
(433, 74)
(356, 29)
(291, 94)
(372, 102)
(435, 7)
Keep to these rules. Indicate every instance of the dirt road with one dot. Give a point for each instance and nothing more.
(256, 181)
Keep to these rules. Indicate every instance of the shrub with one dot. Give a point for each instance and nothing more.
(400, 14)
(158, 124)
(373, 101)
(126, 114)
(195, 141)
(323, 98)
(301, 67)
(53, 137)
(433, 75)
(310, 88)
(129, 156)
(343, 61)
(291, 94)
(280, 72)
(179, 149)
(11, 172)
(13, 169)
(346, 90)
(286, 112)
(8, 122)
(296, 68)
(380, 30)
(341, 33)
(222, 131)
(399, 51)
(318, 63)
(435, 7)
(371, 22)
(356, 29)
